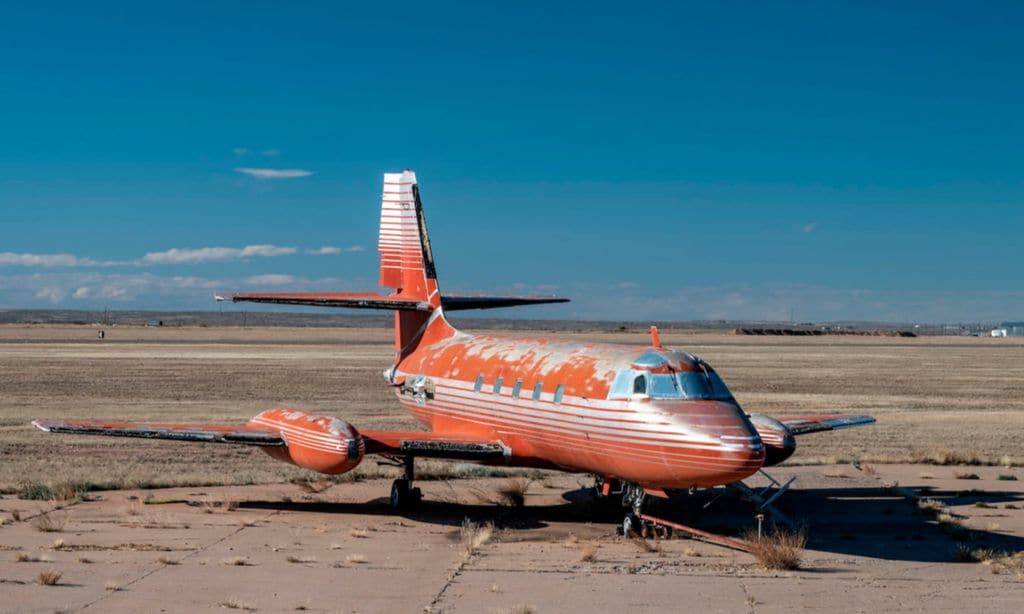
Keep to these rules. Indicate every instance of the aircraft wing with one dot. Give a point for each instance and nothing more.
(398, 443)
(830, 422)
(206, 433)
(433, 445)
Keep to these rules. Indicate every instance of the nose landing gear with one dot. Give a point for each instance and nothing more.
(636, 523)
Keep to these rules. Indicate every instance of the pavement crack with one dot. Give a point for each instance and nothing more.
(161, 566)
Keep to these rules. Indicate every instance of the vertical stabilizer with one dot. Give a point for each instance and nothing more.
(406, 260)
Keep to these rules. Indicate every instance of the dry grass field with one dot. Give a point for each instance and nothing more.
(935, 398)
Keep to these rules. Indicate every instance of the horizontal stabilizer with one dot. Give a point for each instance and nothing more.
(459, 303)
(370, 300)
(205, 433)
(351, 300)
(815, 424)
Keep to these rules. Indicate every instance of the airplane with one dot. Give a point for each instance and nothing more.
(644, 420)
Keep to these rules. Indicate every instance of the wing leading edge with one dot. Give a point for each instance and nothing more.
(396, 443)
(831, 422)
(204, 433)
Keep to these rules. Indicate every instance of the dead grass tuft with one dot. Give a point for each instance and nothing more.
(15, 515)
(869, 470)
(26, 557)
(834, 472)
(966, 475)
(302, 560)
(49, 578)
(236, 561)
(475, 535)
(356, 559)
(234, 603)
(313, 487)
(60, 544)
(112, 586)
(588, 553)
(85, 560)
(167, 561)
(359, 533)
(49, 522)
(645, 544)
(513, 493)
(777, 550)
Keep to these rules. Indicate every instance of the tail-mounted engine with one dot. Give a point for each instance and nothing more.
(779, 443)
(320, 443)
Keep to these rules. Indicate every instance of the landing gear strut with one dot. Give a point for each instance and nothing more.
(636, 523)
(403, 495)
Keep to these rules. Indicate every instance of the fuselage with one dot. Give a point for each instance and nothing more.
(652, 416)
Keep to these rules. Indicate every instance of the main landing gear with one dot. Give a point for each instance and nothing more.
(403, 494)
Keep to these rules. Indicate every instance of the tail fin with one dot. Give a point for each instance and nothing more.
(406, 261)
(407, 267)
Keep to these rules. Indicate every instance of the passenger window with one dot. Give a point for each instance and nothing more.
(516, 388)
(537, 391)
(559, 393)
(640, 384)
(497, 386)
(479, 383)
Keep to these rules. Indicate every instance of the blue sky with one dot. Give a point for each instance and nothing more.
(657, 161)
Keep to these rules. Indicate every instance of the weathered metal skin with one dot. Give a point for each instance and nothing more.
(779, 443)
(655, 443)
(319, 443)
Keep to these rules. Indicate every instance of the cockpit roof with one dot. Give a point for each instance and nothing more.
(663, 359)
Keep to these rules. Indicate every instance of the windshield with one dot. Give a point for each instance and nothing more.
(689, 385)
(696, 385)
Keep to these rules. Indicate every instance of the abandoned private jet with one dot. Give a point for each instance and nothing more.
(644, 420)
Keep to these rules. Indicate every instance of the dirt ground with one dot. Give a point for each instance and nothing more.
(931, 395)
(236, 534)
(280, 548)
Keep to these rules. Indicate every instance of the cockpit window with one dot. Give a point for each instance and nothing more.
(702, 385)
(698, 385)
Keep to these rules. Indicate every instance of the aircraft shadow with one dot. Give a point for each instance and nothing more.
(862, 521)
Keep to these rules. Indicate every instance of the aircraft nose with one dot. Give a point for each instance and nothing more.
(743, 452)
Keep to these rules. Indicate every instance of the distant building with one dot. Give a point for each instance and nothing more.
(1009, 329)
(155, 323)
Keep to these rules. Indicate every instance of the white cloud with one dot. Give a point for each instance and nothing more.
(355, 248)
(46, 260)
(274, 173)
(326, 250)
(52, 294)
(81, 293)
(271, 279)
(214, 254)
(810, 227)
(240, 151)
(270, 153)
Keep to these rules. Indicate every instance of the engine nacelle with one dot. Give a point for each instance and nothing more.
(779, 443)
(320, 443)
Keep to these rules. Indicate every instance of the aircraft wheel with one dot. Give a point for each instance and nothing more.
(630, 525)
(400, 494)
